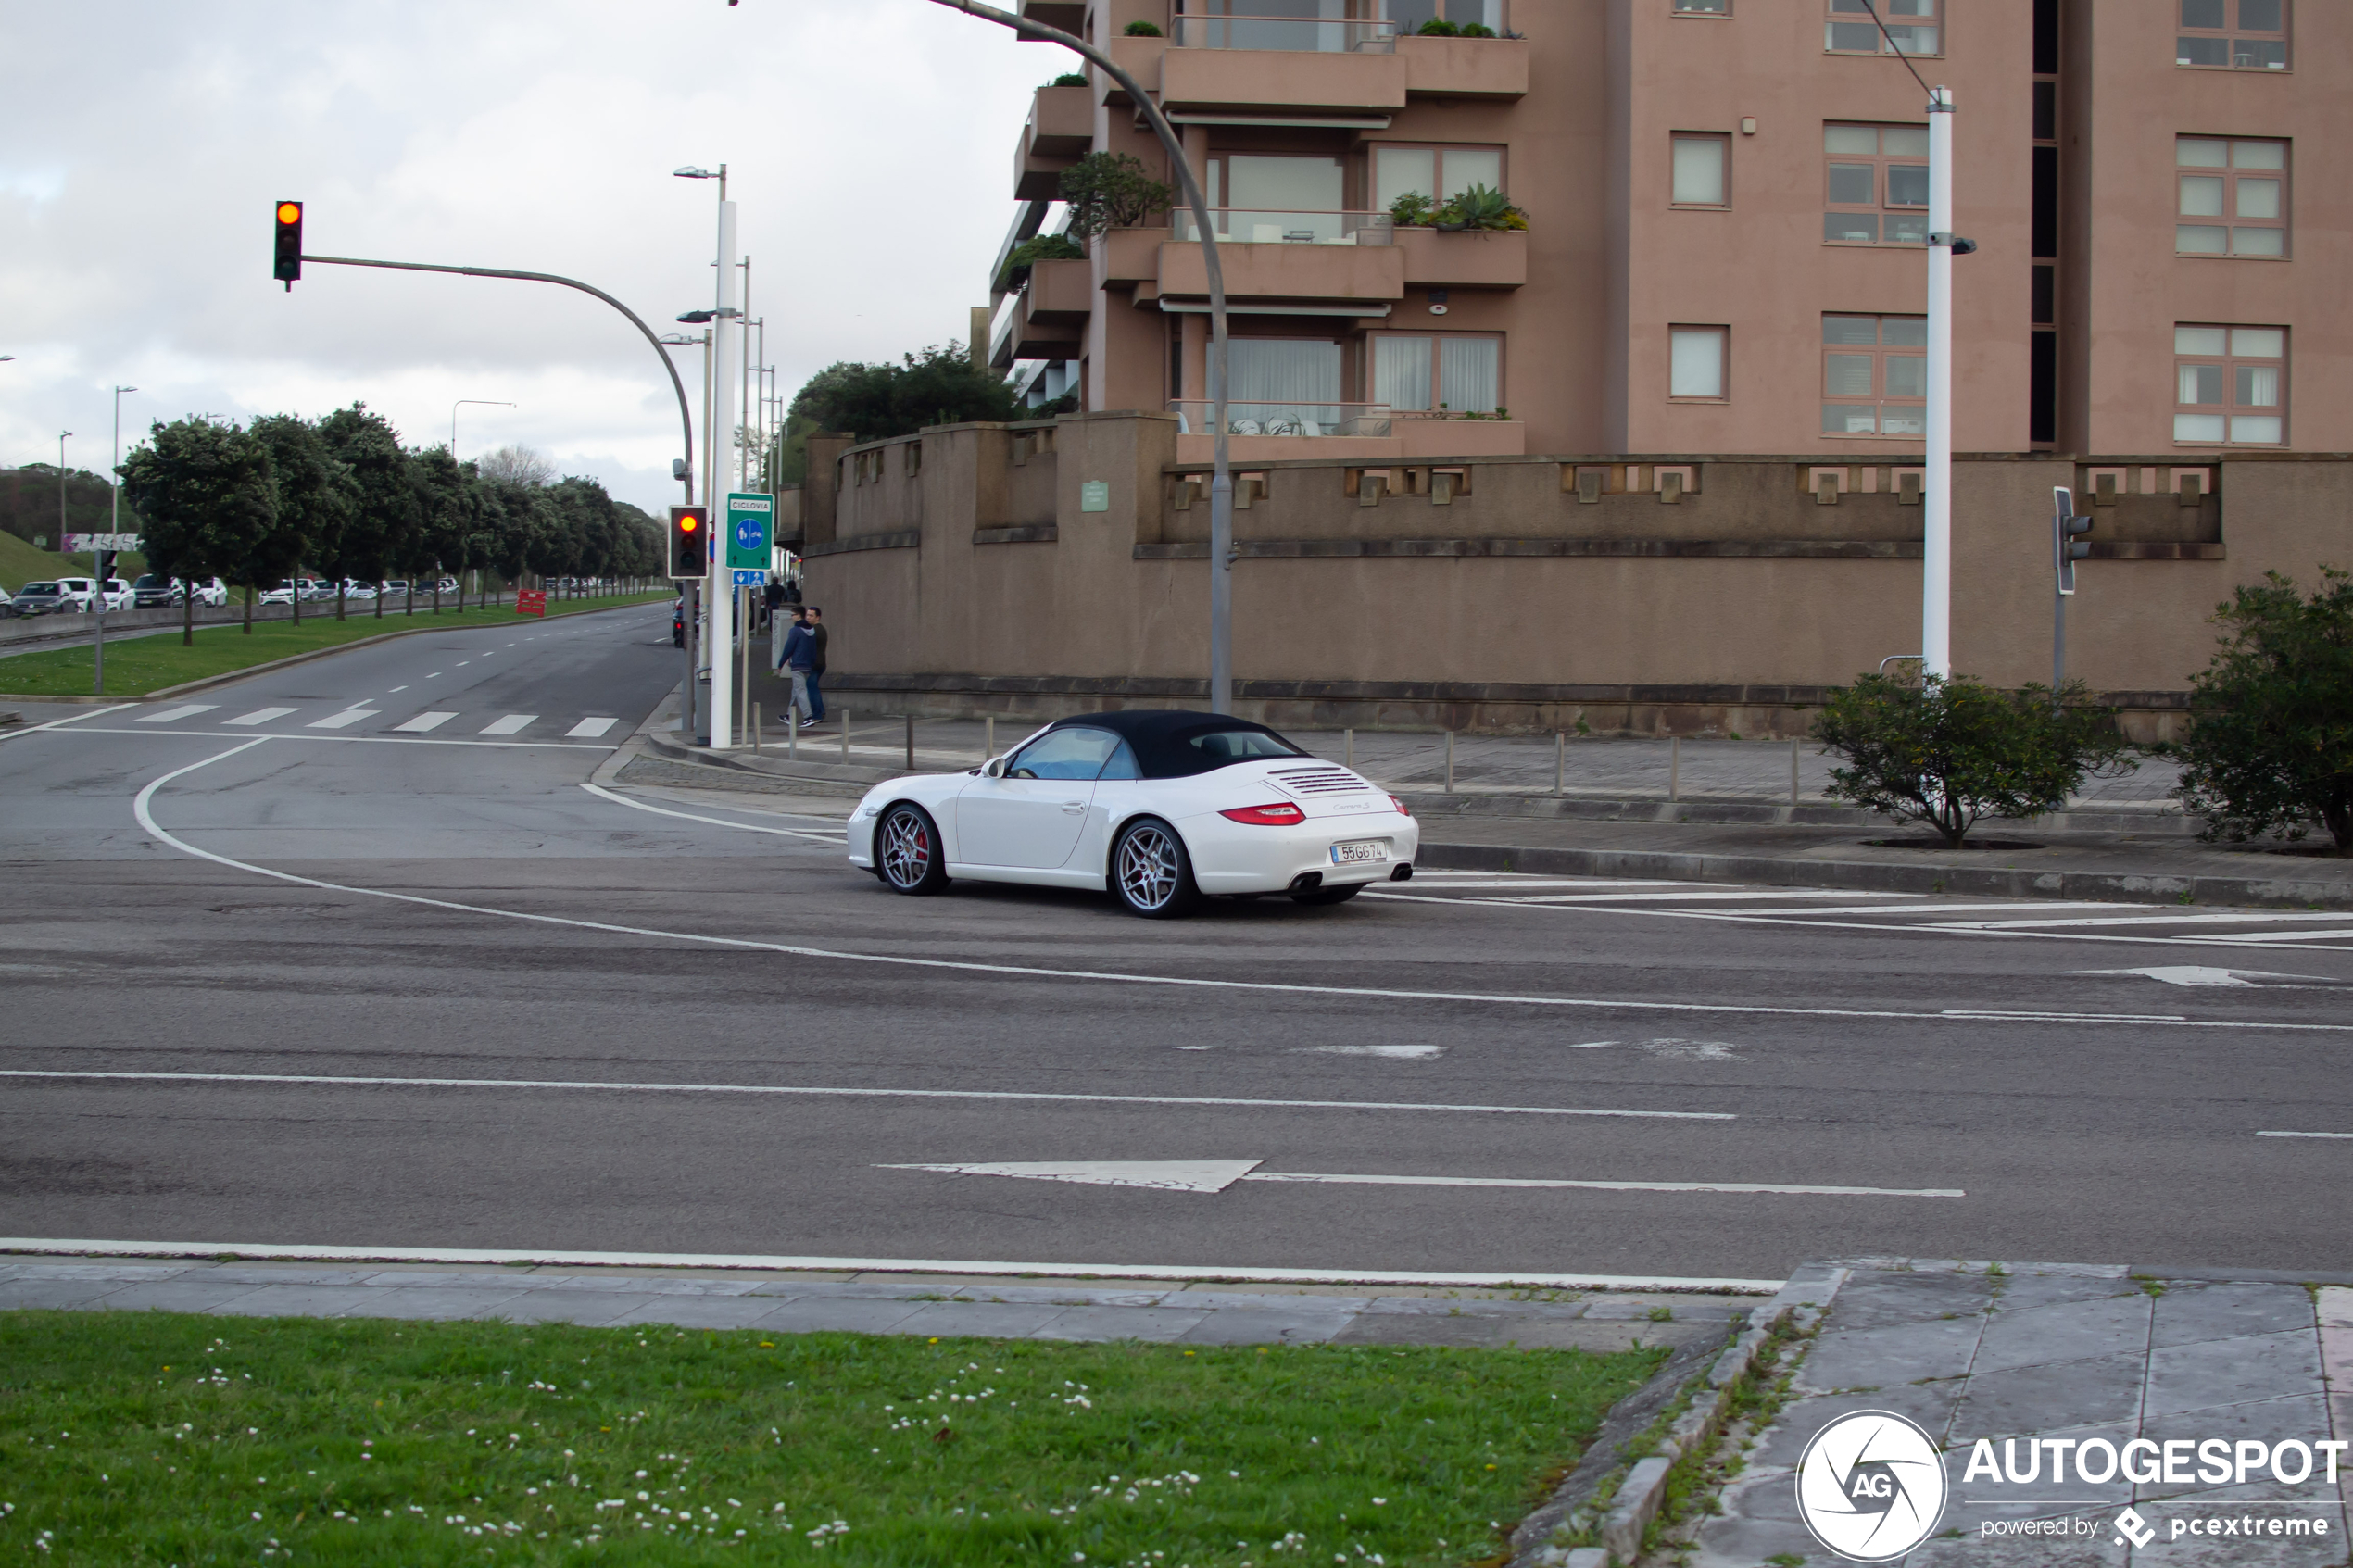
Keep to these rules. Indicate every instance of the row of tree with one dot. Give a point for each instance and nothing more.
(255, 504)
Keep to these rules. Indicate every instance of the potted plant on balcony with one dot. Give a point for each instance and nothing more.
(1044, 248)
(1412, 210)
(1481, 206)
(1112, 191)
(1439, 27)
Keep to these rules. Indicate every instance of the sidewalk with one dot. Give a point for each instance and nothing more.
(2018, 1353)
(2122, 842)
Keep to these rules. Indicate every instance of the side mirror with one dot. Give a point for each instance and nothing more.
(994, 768)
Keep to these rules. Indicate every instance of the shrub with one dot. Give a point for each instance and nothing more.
(1412, 210)
(1043, 247)
(2271, 740)
(1439, 27)
(1143, 30)
(1947, 752)
(1111, 191)
(1476, 29)
(1480, 208)
(1069, 79)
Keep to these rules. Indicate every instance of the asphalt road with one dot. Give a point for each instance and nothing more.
(596, 980)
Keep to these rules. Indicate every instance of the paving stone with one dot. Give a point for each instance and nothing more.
(1473, 1330)
(2305, 1418)
(702, 1312)
(986, 1320)
(590, 1309)
(1035, 1296)
(1157, 1325)
(296, 1301)
(814, 1315)
(2337, 1307)
(2230, 1372)
(1887, 1356)
(113, 1271)
(641, 1284)
(1246, 1326)
(2092, 1392)
(2021, 1291)
(34, 1293)
(1888, 1301)
(2189, 1314)
(1783, 1443)
(458, 1279)
(1237, 1301)
(1967, 1550)
(2066, 1330)
(433, 1303)
(249, 1274)
(197, 1295)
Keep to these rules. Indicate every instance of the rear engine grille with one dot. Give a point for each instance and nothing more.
(1319, 780)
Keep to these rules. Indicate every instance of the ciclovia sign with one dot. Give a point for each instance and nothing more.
(1871, 1485)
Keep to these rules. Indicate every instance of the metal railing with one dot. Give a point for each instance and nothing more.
(1245, 225)
(1244, 417)
(1287, 32)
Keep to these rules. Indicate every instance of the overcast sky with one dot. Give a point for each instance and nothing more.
(142, 144)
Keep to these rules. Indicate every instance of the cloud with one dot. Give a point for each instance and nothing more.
(867, 144)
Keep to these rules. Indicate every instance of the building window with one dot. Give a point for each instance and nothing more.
(1913, 27)
(1876, 184)
(1695, 363)
(1702, 170)
(2234, 197)
(1409, 14)
(1459, 372)
(2258, 42)
(1875, 375)
(1702, 7)
(2231, 385)
(1440, 173)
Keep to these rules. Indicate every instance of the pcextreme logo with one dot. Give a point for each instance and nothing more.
(1871, 1485)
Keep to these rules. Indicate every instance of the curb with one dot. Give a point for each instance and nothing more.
(1758, 812)
(1800, 1305)
(2123, 887)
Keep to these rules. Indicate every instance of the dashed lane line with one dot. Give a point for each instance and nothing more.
(512, 724)
(590, 728)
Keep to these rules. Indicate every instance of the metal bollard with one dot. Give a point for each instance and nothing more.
(987, 737)
(755, 727)
(1793, 773)
(1560, 761)
(1450, 761)
(845, 734)
(1348, 747)
(792, 734)
(911, 742)
(1675, 769)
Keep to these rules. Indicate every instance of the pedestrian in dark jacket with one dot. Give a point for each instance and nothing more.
(795, 657)
(812, 619)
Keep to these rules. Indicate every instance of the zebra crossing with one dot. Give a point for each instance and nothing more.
(362, 718)
(2301, 931)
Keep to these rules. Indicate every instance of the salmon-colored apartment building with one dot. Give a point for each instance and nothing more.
(1653, 461)
(1726, 205)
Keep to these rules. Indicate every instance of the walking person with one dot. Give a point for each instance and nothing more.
(794, 658)
(813, 619)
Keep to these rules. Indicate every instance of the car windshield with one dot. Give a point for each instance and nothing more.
(1064, 754)
(152, 581)
(40, 588)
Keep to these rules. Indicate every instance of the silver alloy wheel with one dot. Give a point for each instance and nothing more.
(906, 848)
(1148, 868)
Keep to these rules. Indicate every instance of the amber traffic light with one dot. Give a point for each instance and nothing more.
(689, 542)
(288, 256)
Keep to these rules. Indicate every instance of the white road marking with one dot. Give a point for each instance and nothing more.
(57, 1246)
(1688, 895)
(603, 793)
(2304, 1135)
(142, 809)
(260, 716)
(1160, 1176)
(70, 719)
(1980, 907)
(2235, 917)
(463, 663)
(422, 723)
(2047, 1016)
(344, 720)
(1387, 1053)
(170, 715)
(2193, 974)
(513, 724)
(1216, 1175)
(1421, 880)
(395, 691)
(1788, 1189)
(828, 1092)
(2268, 937)
(589, 729)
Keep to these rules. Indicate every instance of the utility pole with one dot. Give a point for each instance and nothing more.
(1936, 544)
(717, 596)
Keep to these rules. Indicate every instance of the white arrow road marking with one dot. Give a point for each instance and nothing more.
(2195, 974)
(260, 716)
(1689, 895)
(513, 724)
(188, 710)
(348, 717)
(2304, 1135)
(423, 722)
(1216, 1175)
(1163, 1175)
(1388, 1053)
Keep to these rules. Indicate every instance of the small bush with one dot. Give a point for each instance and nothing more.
(1143, 30)
(1069, 79)
(1948, 752)
(2270, 739)
(1412, 210)
(1111, 191)
(1439, 27)
(1476, 29)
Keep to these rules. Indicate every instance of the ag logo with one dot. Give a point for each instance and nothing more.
(1871, 1485)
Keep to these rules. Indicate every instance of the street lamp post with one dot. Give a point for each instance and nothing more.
(482, 402)
(724, 318)
(114, 525)
(1221, 483)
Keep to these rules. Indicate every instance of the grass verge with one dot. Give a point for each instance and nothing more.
(137, 665)
(177, 1439)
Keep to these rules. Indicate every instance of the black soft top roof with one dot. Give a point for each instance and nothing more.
(1163, 737)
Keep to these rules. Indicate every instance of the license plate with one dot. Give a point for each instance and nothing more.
(1362, 849)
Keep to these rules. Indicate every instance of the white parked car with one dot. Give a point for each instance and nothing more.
(211, 591)
(75, 594)
(1159, 808)
(283, 594)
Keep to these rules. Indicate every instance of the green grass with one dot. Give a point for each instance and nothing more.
(174, 1438)
(136, 666)
(20, 563)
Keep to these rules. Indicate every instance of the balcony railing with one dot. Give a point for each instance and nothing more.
(1287, 32)
(1258, 418)
(1238, 225)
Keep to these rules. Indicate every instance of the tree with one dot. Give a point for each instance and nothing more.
(386, 510)
(1111, 191)
(1947, 752)
(209, 500)
(941, 385)
(514, 518)
(449, 504)
(2270, 741)
(520, 464)
(316, 493)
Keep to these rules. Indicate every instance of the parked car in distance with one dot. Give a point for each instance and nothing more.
(39, 598)
(396, 588)
(78, 591)
(283, 594)
(355, 589)
(212, 591)
(449, 585)
(118, 595)
(152, 592)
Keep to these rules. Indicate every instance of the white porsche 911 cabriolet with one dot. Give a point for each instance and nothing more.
(1158, 808)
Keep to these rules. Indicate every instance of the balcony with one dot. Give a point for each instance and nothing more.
(1464, 68)
(1060, 130)
(1263, 65)
(1047, 319)
(1482, 259)
(1256, 226)
(1319, 258)
(1068, 15)
(1273, 433)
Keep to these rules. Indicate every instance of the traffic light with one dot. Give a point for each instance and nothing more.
(288, 257)
(2067, 543)
(689, 542)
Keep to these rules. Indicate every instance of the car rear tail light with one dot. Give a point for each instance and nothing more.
(1282, 814)
(1401, 809)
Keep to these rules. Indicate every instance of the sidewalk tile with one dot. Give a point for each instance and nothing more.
(2069, 1331)
(1157, 1325)
(296, 1301)
(701, 1312)
(2092, 1392)
(1284, 1305)
(1235, 1325)
(590, 1309)
(2305, 1418)
(2231, 1371)
(262, 1273)
(811, 1315)
(113, 1271)
(20, 1293)
(437, 1303)
(2024, 1290)
(1881, 1301)
(1890, 1357)
(2188, 1313)
(640, 1285)
(2337, 1307)
(1967, 1550)
(1783, 1443)
(980, 1319)
(1487, 1330)
(198, 1295)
